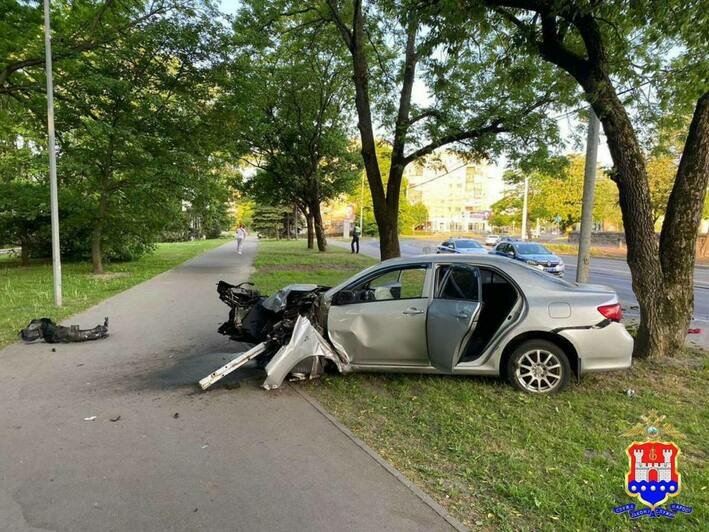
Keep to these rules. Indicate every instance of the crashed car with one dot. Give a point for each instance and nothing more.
(446, 314)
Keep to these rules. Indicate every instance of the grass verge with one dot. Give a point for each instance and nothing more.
(498, 459)
(26, 293)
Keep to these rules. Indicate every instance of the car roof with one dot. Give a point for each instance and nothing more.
(452, 257)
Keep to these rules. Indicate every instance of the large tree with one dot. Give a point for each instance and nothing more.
(480, 99)
(137, 130)
(611, 49)
(290, 99)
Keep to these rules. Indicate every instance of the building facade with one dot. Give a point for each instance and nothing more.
(458, 194)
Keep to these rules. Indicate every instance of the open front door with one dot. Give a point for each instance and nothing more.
(452, 314)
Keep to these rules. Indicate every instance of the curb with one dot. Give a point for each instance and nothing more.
(426, 499)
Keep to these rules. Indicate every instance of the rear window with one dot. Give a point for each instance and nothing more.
(532, 249)
(467, 244)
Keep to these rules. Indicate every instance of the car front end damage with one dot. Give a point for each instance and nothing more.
(287, 328)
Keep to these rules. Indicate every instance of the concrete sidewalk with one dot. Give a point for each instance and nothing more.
(177, 459)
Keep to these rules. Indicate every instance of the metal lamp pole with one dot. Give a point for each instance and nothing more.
(524, 208)
(56, 258)
(589, 183)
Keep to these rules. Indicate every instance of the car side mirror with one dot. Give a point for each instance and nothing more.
(511, 254)
(343, 297)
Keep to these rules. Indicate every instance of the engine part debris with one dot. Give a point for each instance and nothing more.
(114, 419)
(227, 368)
(90, 418)
(285, 327)
(45, 329)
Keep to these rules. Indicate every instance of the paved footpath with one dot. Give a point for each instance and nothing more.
(177, 459)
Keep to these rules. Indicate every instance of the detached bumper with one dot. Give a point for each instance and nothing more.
(603, 349)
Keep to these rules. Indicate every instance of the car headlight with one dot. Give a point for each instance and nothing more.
(561, 266)
(532, 263)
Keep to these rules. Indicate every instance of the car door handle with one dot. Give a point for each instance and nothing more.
(412, 311)
(462, 315)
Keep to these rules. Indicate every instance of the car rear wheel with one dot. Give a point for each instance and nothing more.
(538, 366)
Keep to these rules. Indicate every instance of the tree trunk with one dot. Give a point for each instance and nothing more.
(317, 222)
(25, 254)
(388, 234)
(96, 251)
(311, 230)
(678, 238)
(97, 236)
(662, 274)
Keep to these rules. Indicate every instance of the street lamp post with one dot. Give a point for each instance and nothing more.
(589, 183)
(524, 208)
(54, 202)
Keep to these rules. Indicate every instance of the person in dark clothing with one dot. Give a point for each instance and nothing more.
(355, 239)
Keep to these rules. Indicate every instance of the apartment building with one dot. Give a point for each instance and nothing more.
(457, 193)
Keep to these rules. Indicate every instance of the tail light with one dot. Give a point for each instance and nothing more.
(612, 312)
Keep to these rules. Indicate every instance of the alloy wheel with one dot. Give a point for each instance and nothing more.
(538, 371)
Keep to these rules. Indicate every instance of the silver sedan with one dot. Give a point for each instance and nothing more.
(447, 314)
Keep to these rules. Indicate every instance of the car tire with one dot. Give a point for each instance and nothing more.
(539, 367)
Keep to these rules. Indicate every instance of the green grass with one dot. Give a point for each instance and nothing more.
(500, 459)
(279, 263)
(26, 292)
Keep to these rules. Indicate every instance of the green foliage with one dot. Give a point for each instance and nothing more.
(138, 135)
(556, 195)
(290, 101)
(269, 221)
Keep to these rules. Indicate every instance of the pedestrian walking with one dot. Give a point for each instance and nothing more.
(240, 236)
(355, 239)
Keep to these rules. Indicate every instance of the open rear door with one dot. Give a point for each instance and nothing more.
(452, 314)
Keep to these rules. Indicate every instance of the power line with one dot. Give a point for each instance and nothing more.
(439, 176)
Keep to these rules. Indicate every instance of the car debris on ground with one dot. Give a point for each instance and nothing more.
(45, 329)
(284, 328)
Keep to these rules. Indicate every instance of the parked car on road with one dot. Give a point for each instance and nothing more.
(533, 254)
(460, 245)
(446, 314)
(492, 240)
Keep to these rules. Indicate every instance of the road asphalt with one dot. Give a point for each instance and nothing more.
(236, 458)
(609, 272)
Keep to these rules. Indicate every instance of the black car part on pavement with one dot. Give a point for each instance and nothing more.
(50, 332)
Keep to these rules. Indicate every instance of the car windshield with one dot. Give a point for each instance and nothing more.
(467, 244)
(532, 249)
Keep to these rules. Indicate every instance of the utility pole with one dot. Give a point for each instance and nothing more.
(56, 257)
(361, 206)
(524, 208)
(589, 185)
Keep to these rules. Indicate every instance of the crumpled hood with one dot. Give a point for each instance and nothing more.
(277, 301)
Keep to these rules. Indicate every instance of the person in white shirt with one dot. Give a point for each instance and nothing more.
(240, 236)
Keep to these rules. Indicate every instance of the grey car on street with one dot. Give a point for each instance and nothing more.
(447, 314)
